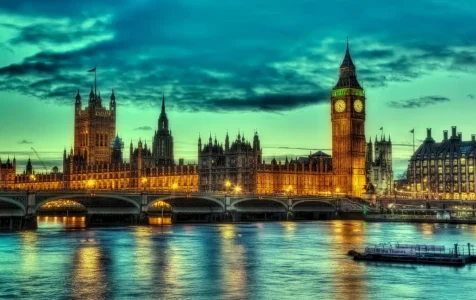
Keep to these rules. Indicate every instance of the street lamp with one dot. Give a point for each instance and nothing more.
(144, 181)
(289, 190)
(90, 184)
(237, 189)
(227, 185)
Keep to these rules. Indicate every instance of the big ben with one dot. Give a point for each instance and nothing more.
(348, 131)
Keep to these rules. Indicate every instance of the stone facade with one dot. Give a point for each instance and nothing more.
(379, 166)
(444, 170)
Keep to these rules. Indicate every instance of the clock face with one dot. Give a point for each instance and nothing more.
(358, 105)
(339, 105)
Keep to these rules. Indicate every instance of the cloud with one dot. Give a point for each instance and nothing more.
(25, 142)
(266, 63)
(144, 128)
(471, 96)
(420, 102)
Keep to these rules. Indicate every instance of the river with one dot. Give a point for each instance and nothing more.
(287, 260)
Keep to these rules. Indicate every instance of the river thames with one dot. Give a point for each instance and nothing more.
(288, 260)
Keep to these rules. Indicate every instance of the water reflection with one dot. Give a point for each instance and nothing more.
(160, 221)
(76, 222)
(305, 260)
(89, 280)
(348, 276)
(233, 258)
(29, 250)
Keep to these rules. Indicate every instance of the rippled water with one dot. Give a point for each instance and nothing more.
(305, 260)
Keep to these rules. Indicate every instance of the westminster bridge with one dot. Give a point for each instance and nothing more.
(26, 205)
(22, 207)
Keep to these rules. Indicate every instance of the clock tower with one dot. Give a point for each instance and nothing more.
(348, 131)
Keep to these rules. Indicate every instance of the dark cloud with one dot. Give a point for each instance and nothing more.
(230, 57)
(471, 96)
(420, 102)
(144, 128)
(267, 102)
(25, 142)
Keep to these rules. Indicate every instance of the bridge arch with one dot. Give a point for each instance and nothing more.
(281, 202)
(169, 199)
(76, 196)
(297, 203)
(14, 202)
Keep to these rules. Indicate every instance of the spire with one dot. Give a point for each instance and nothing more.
(347, 77)
(347, 62)
(370, 141)
(113, 97)
(91, 94)
(78, 98)
(163, 105)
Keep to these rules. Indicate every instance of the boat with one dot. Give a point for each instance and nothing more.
(415, 253)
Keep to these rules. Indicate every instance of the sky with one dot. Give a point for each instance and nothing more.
(235, 66)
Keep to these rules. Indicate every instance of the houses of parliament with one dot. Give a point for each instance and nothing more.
(96, 160)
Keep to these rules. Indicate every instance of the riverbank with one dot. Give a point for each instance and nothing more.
(418, 219)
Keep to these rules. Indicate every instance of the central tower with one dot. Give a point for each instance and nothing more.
(348, 131)
(163, 144)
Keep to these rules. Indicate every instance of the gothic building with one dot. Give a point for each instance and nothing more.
(318, 173)
(378, 165)
(236, 162)
(94, 129)
(96, 161)
(444, 170)
(7, 173)
(163, 142)
(348, 130)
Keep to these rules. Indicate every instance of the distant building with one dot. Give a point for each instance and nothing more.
(445, 169)
(7, 173)
(378, 164)
(236, 162)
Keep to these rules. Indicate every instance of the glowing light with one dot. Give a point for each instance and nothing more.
(227, 183)
(144, 179)
(237, 189)
(91, 183)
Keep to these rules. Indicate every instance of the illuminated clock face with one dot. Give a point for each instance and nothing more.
(358, 105)
(339, 105)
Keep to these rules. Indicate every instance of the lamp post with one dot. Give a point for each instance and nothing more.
(227, 186)
(144, 182)
(237, 189)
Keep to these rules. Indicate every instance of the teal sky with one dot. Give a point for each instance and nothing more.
(234, 66)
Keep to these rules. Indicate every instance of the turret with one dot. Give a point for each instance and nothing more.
(29, 167)
(256, 143)
(92, 98)
(227, 142)
(112, 102)
(199, 143)
(78, 102)
(99, 100)
(163, 120)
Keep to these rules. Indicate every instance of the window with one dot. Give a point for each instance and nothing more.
(471, 169)
(463, 169)
(440, 162)
(447, 162)
(432, 162)
(462, 161)
(455, 170)
(440, 170)
(425, 163)
(455, 162)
